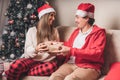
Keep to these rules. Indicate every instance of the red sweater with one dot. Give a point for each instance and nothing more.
(91, 54)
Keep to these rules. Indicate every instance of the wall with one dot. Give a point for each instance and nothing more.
(107, 13)
(3, 19)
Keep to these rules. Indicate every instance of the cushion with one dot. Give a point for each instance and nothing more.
(1, 68)
(114, 72)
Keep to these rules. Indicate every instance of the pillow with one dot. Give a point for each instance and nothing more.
(114, 72)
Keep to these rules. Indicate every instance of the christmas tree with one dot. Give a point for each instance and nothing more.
(21, 15)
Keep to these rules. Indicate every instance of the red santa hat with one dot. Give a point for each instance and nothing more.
(46, 8)
(85, 9)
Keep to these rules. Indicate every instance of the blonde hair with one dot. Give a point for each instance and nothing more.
(45, 31)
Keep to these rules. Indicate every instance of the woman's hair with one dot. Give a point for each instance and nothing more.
(45, 31)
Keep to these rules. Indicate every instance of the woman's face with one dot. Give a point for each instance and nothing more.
(81, 22)
(51, 18)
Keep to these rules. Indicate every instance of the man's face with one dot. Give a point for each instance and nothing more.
(81, 22)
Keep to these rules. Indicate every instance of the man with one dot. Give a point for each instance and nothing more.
(84, 49)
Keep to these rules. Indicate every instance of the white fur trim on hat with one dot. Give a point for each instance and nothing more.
(84, 13)
(48, 10)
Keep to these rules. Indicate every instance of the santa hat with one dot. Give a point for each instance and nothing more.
(85, 9)
(46, 8)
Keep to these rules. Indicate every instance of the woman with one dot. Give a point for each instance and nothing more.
(35, 47)
(84, 49)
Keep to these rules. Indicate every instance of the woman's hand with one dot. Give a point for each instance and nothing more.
(64, 50)
(41, 48)
(53, 46)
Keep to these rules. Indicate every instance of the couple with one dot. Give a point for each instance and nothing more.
(82, 54)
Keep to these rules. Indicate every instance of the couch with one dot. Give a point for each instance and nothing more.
(112, 50)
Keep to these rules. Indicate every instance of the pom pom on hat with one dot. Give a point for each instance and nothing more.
(85, 9)
(46, 8)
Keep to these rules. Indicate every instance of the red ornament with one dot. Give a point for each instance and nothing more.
(17, 44)
(16, 40)
(33, 16)
(2, 47)
(25, 18)
(11, 21)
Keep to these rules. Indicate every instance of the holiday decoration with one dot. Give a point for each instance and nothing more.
(33, 16)
(21, 15)
(11, 21)
(29, 6)
(12, 33)
(12, 56)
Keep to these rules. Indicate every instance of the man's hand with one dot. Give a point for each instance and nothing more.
(64, 50)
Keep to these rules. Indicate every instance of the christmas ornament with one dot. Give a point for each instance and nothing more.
(12, 33)
(2, 47)
(18, 2)
(19, 15)
(22, 35)
(5, 32)
(16, 40)
(33, 16)
(12, 56)
(25, 19)
(17, 44)
(3, 57)
(23, 41)
(11, 21)
(29, 6)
